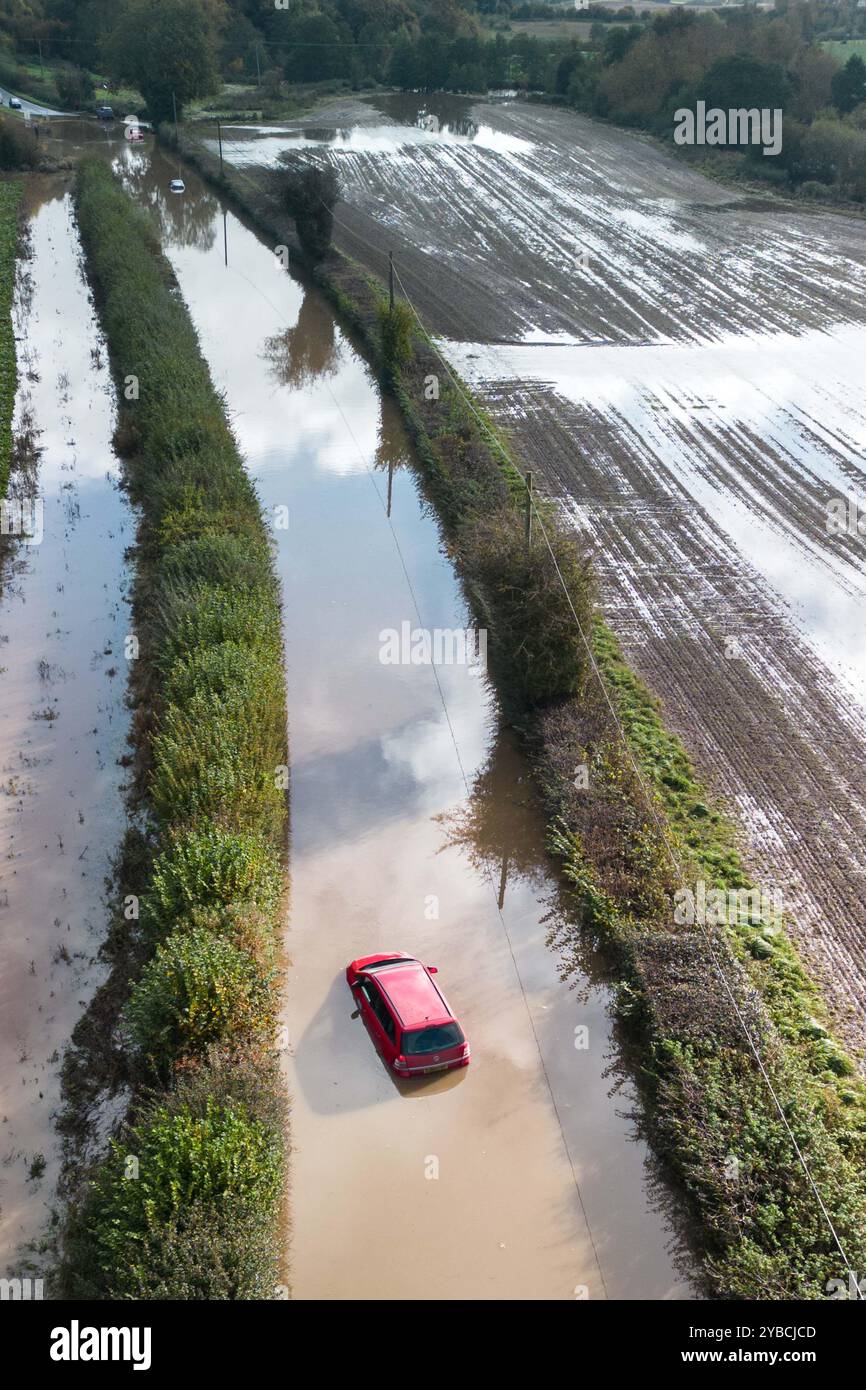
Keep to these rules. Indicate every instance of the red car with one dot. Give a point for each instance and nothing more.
(406, 1014)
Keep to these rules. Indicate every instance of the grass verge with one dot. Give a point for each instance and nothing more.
(187, 1202)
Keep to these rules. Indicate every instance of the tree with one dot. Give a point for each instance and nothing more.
(166, 48)
(738, 81)
(403, 70)
(813, 75)
(310, 193)
(849, 85)
(318, 49)
(74, 87)
(618, 41)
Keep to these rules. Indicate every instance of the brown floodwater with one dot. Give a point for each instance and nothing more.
(414, 827)
(63, 722)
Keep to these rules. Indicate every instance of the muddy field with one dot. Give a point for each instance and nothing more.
(679, 364)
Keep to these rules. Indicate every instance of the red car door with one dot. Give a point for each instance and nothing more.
(377, 1018)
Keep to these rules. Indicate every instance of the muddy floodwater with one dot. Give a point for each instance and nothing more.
(681, 366)
(413, 828)
(63, 723)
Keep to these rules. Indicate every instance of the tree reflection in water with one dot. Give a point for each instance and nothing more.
(308, 351)
(501, 829)
(392, 448)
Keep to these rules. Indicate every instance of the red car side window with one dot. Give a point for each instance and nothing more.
(381, 1010)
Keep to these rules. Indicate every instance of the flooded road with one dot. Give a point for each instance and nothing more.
(413, 828)
(63, 722)
(680, 365)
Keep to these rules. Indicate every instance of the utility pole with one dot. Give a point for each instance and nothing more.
(258, 68)
(391, 279)
(528, 510)
(174, 105)
(220, 138)
(41, 68)
(503, 880)
(390, 484)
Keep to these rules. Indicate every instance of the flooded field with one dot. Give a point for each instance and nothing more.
(63, 722)
(681, 366)
(413, 827)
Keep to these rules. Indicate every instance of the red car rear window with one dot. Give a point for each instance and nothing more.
(433, 1039)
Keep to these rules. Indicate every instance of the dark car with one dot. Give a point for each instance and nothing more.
(105, 113)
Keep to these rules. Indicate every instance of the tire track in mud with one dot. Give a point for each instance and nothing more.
(588, 231)
(770, 729)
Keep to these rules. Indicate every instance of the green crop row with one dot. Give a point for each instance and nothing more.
(187, 1202)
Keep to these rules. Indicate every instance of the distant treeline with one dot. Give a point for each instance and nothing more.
(636, 73)
(642, 74)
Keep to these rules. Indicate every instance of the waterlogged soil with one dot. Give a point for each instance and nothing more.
(413, 828)
(681, 367)
(63, 722)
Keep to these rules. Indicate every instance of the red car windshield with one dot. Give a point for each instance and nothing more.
(433, 1039)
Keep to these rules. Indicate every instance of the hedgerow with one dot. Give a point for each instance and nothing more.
(199, 990)
(182, 1206)
(186, 1203)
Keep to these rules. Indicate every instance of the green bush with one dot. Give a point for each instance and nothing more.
(534, 641)
(217, 760)
(198, 990)
(19, 148)
(74, 87)
(209, 1251)
(246, 925)
(220, 559)
(213, 869)
(395, 330)
(813, 189)
(183, 1171)
(221, 670)
(204, 615)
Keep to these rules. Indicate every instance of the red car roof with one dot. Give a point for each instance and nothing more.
(413, 994)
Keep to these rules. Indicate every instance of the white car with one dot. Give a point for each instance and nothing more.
(15, 103)
(177, 186)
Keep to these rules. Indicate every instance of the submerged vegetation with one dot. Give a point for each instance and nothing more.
(186, 1203)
